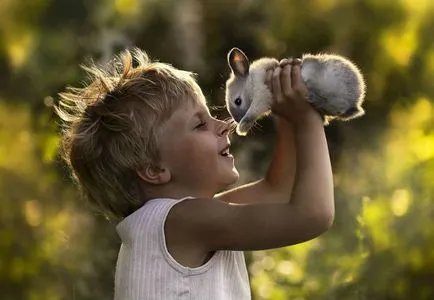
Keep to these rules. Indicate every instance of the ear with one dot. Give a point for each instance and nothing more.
(238, 62)
(154, 174)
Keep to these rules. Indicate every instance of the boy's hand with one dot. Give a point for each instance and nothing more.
(289, 92)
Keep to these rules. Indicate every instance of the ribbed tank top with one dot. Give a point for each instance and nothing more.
(145, 270)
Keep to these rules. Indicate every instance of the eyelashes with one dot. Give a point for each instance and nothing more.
(229, 124)
(200, 125)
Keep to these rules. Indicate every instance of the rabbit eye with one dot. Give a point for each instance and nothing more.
(238, 101)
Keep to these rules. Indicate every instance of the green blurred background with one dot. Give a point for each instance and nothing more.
(381, 245)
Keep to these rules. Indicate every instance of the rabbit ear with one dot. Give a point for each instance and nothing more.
(238, 62)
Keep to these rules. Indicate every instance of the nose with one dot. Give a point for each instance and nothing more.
(222, 128)
(237, 115)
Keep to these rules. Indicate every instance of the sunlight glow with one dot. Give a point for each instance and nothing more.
(409, 142)
(268, 262)
(285, 267)
(32, 211)
(417, 7)
(265, 291)
(127, 7)
(400, 43)
(19, 47)
(400, 202)
(51, 148)
(376, 216)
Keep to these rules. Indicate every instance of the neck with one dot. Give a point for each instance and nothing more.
(171, 191)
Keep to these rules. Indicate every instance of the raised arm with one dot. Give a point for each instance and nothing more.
(277, 184)
(309, 207)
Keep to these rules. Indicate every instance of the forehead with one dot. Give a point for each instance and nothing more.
(184, 114)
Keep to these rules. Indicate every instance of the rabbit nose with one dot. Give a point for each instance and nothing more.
(237, 115)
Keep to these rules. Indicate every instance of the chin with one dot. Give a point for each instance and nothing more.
(229, 178)
(233, 178)
(226, 186)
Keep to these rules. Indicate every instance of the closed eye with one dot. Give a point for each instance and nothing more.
(200, 125)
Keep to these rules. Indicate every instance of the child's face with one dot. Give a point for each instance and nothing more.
(191, 144)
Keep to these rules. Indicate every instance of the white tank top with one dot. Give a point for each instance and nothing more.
(145, 269)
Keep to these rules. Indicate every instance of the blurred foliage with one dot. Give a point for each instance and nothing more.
(380, 247)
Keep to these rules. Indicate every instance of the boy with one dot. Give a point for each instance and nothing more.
(143, 146)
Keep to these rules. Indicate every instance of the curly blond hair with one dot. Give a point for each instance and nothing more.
(109, 126)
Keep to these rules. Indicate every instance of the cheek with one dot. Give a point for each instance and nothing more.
(193, 153)
(202, 151)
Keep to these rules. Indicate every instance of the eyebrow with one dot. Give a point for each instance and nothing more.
(200, 114)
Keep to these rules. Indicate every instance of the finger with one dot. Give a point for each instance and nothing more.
(285, 62)
(286, 80)
(296, 61)
(277, 90)
(297, 80)
(268, 78)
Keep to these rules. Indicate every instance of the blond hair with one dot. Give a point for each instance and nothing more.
(109, 126)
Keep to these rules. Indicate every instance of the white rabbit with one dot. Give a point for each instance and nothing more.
(336, 88)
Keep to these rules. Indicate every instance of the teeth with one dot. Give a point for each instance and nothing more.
(225, 152)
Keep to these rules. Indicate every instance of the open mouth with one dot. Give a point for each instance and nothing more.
(225, 152)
